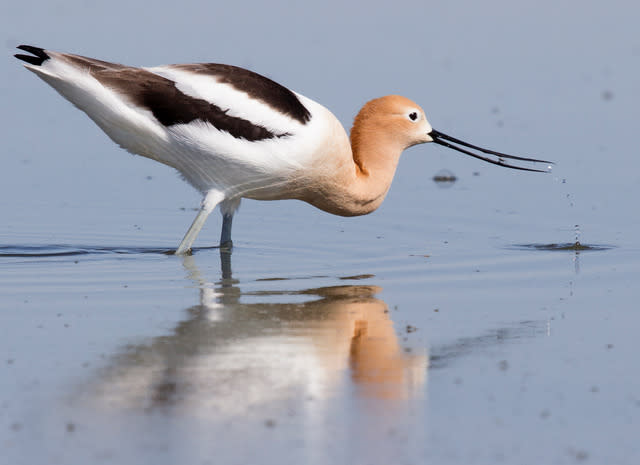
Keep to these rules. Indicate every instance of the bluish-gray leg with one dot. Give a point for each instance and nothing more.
(225, 236)
(228, 207)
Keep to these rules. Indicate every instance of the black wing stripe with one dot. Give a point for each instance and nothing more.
(171, 107)
(255, 85)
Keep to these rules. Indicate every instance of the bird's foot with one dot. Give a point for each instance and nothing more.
(183, 253)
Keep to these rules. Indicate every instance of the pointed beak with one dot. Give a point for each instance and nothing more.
(498, 157)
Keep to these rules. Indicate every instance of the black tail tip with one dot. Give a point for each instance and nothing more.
(39, 58)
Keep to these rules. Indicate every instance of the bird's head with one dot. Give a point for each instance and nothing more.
(401, 123)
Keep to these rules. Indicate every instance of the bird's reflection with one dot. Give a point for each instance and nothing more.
(237, 350)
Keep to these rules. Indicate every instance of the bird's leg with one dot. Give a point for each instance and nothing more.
(225, 236)
(209, 202)
(227, 208)
(192, 233)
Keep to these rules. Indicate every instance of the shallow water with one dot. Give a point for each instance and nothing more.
(369, 349)
(480, 316)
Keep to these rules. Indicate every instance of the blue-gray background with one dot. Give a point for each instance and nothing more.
(556, 80)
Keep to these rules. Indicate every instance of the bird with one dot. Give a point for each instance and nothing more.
(232, 133)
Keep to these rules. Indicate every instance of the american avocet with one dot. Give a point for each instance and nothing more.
(232, 133)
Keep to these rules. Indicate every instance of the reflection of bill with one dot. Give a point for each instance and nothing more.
(231, 355)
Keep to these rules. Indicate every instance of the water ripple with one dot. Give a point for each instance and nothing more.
(565, 246)
(60, 250)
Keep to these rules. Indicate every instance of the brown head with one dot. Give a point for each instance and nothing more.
(396, 123)
(393, 120)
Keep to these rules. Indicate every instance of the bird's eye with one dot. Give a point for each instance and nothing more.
(413, 116)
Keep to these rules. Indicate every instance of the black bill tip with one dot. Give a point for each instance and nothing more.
(445, 140)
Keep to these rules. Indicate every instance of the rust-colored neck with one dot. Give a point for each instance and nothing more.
(361, 169)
